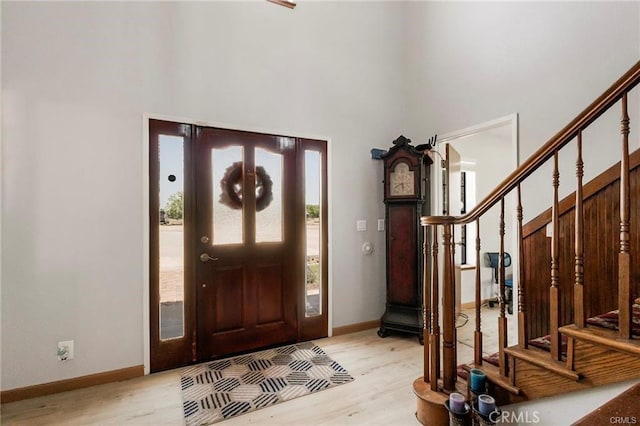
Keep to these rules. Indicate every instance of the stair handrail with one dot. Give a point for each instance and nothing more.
(618, 91)
(612, 95)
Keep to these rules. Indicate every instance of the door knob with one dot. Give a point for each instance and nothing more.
(204, 257)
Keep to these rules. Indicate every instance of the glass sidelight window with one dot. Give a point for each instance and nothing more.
(171, 236)
(313, 233)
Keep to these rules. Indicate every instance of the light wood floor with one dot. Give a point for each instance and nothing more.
(384, 370)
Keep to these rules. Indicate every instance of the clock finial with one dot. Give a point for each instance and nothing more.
(402, 141)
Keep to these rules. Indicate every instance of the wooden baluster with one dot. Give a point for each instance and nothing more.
(448, 315)
(477, 347)
(578, 289)
(624, 273)
(554, 292)
(523, 338)
(425, 301)
(434, 337)
(502, 319)
(454, 290)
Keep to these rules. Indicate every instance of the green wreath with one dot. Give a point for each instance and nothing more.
(231, 185)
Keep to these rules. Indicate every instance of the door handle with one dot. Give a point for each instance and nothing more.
(204, 257)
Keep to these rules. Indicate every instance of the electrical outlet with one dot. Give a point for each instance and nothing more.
(361, 225)
(65, 350)
(380, 224)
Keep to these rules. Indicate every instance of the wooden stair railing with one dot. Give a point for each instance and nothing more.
(432, 363)
(624, 257)
(554, 295)
(578, 291)
(523, 335)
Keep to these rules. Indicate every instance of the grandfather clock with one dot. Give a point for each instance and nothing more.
(406, 197)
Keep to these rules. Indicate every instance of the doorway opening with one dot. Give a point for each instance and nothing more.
(238, 241)
(488, 153)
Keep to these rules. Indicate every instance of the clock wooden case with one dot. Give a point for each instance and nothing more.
(407, 198)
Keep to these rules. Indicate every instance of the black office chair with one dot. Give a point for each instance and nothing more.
(491, 260)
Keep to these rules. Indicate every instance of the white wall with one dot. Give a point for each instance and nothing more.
(473, 61)
(77, 78)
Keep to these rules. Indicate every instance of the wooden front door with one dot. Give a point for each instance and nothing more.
(246, 253)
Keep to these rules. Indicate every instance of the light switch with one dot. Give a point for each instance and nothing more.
(380, 224)
(361, 225)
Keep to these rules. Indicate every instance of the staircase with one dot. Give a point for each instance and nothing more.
(576, 290)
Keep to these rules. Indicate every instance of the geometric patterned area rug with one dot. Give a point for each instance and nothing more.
(217, 390)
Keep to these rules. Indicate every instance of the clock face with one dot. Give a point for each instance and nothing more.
(401, 181)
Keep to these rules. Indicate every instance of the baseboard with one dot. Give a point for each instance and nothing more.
(352, 328)
(43, 389)
(471, 305)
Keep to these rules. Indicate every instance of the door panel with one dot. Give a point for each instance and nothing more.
(270, 297)
(243, 274)
(228, 297)
(402, 220)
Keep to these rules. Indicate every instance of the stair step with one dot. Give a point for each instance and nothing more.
(603, 337)
(493, 375)
(623, 406)
(542, 359)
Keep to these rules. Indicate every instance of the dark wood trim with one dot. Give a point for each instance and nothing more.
(354, 328)
(43, 389)
(612, 174)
